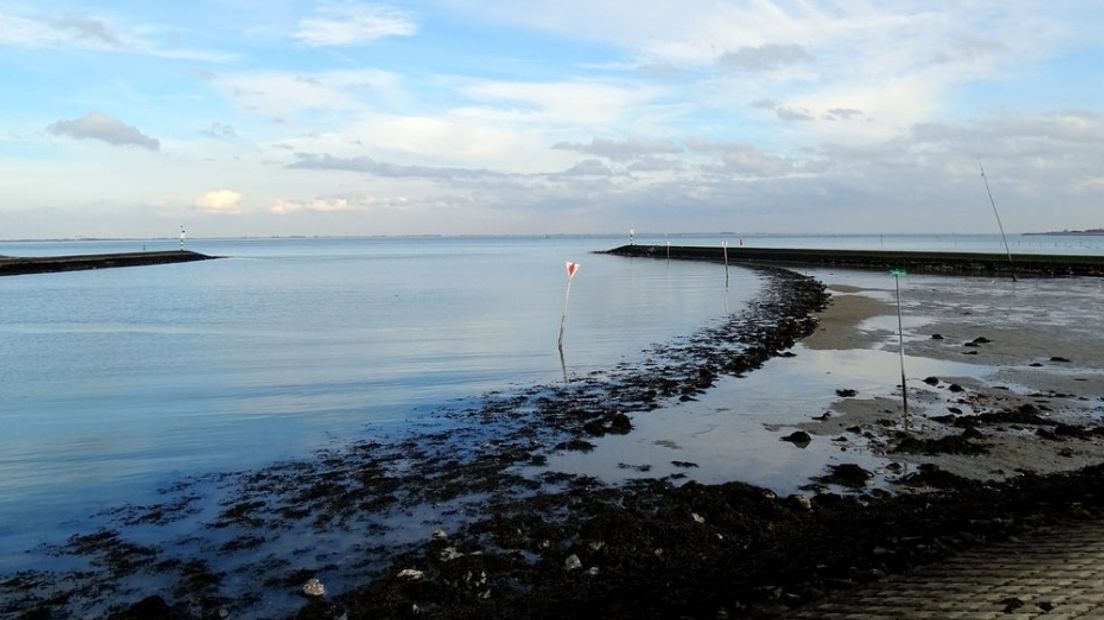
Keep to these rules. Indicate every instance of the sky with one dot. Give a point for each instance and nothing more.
(277, 117)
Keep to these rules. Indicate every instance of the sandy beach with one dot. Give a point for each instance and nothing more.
(757, 467)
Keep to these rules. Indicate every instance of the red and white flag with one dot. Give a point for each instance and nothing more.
(571, 269)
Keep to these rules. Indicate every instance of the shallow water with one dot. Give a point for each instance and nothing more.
(116, 382)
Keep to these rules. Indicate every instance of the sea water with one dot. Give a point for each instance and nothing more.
(116, 382)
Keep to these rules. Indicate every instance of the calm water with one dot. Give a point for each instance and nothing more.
(119, 381)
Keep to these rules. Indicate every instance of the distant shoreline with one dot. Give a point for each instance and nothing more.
(1092, 232)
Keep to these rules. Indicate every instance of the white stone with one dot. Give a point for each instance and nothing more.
(314, 588)
(573, 562)
(697, 517)
(411, 574)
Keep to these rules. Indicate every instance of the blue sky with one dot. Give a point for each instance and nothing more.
(249, 117)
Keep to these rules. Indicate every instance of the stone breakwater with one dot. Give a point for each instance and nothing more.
(17, 265)
(1046, 265)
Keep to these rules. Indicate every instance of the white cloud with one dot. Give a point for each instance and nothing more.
(96, 126)
(281, 94)
(619, 150)
(220, 201)
(765, 57)
(352, 24)
(94, 33)
(575, 103)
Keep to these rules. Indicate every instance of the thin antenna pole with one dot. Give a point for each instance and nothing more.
(999, 225)
(724, 245)
(901, 348)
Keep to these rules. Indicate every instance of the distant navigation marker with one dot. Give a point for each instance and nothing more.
(571, 269)
(183, 233)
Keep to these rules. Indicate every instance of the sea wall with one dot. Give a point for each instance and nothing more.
(13, 265)
(1047, 265)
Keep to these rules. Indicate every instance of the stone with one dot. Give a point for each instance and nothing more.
(798, 438)
(932, 380)
(411, 574)
(937, 336)
(314, 588)
(1059, 358)
(697, 517)
(954, 387)
(846, 393)
(439, 534)
(573, 562)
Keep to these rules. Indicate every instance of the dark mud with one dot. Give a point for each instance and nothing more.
(650, 549)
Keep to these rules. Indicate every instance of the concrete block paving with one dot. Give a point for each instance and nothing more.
(1052, 573)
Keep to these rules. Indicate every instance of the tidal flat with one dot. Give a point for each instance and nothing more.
(658, 488)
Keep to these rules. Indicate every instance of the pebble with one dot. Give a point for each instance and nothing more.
(411, 574)
(697, 517)
(573, 562)
(439, 534)
(313, 588)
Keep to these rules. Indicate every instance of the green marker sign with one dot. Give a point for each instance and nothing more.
(897, 273)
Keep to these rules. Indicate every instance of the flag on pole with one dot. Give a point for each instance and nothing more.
(571, 269)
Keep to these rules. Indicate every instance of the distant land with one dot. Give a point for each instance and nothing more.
(1088, 231)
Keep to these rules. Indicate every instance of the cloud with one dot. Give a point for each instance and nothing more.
(312, 161)
(619, 150)
(339, 204)
(588, 167)
(90, 29)
(842, 114)
(219, 131)
(786, 113)
(764, 57)
(84, 32)
(566, 102)
(745, 160)
(96, 126)
(281, 94)
(353, 24)
(220, 201)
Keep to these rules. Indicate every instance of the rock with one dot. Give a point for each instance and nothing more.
(847, 474)
(1059, 358)
(955, 410)
(802, 502)
(313, 588)
(697, 517)
(846, 393)
(969, 344)
(1011, 604)
(438, 534)
(798, 438)
(981, 340)
(823, 417)
(684, 464)
(411, 574)
(593, 571)
(937, 336)
(932, 380)
(1035, 364)
(956, 388)
(449, 554)
(573, 562)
